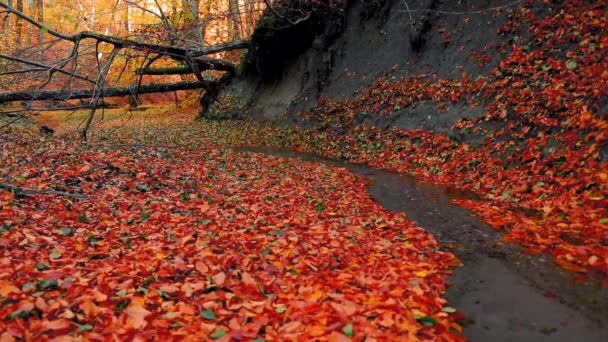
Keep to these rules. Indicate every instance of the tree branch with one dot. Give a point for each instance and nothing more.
(279, 15)
(46, 67)
(27, 191)
(42, 95)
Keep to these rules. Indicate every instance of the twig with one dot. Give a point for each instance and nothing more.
(407, 7)
(11, 122)
(17, 189)
(465, 12)
(291, 22)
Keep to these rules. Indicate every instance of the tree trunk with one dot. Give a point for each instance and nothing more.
(234, 24)
(6, 30)
(19, 25)
(193, 6)
(40, 18)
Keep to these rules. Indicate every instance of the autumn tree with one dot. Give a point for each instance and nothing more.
(90, 50)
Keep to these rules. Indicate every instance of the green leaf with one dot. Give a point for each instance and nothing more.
(281, 309)
(122, 304)
(84, 327)
(163, 294)
(42, 266)
(55, 255)
(292, 271)
(427, 321)
(19, 314)
(258, 340)
(142, 290)
(278, 233)
(143, 187)
(44, 30)
(208, 314)
(348, 330)
(83, 217)
(448, 309)
(122, 293)
(218, 333)
(149, 280)
(47, 284)
(66, 231)
(571, 64)
(604, 220)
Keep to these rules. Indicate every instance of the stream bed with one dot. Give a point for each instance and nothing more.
(505, 294)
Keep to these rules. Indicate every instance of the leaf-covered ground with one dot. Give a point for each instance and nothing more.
(542, 167)
(195, 242)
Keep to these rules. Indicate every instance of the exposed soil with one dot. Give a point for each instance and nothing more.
(504, 294)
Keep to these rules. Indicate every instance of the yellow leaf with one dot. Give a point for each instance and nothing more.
(7, 288)
(422, 273)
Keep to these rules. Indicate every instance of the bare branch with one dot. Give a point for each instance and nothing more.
(27, 191)
(279, 15)
(48, 68)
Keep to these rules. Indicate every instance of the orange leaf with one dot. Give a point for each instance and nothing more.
(137, 313)
(247, 279)
(201, 267)
(7, 288)
(219, 278)
(347, 307)
(57, 324)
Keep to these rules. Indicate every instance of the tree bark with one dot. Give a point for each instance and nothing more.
(19, 25)
(40, 18)
(234, 23)
(6, 29)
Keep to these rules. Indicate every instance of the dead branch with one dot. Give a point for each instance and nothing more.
(290, 21)
(42, 95)
(27, 191)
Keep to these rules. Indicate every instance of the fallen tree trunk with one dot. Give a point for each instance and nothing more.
(179, 70)
(67, 94)
(203, 63)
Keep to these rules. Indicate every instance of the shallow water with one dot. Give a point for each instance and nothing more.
(504, 294)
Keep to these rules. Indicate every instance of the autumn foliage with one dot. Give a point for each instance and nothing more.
(206, 243)
(180, 237)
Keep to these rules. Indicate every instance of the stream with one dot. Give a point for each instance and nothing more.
(505, 294)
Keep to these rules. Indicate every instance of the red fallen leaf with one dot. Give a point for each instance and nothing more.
(88, 307)
(247, 279)
(338, 337)
(291, 327)
(84, 168)
(346, 307)
(98, 296)
(550, 295)
(137, 313)
(219, 278)
(201, 267)
(169, 288)
(57, 324)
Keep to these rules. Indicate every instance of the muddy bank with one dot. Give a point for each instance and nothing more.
(505, 294)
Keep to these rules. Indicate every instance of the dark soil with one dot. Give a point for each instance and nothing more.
(504, 294)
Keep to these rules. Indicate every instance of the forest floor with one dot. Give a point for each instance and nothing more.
(170, 236)
(182, 236)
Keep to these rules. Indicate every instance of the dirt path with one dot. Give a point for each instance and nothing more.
(505, 294)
